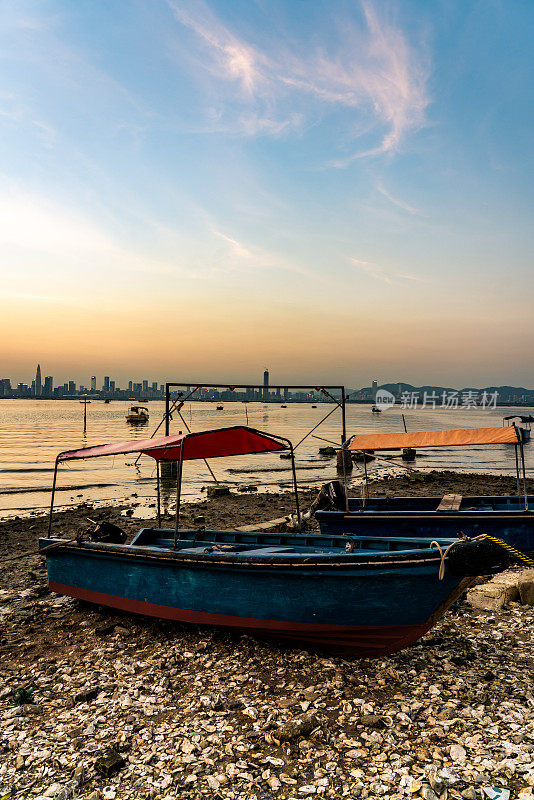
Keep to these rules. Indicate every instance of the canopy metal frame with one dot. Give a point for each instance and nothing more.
(324, 389)
(274, 437)
(519, 466)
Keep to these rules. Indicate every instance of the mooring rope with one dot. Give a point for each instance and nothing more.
(29, 553)
(517, 554)
(442, 555)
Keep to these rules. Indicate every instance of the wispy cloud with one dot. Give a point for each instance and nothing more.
(370, 69)
(392, 76)
(380, 273)
(233, 58)
(400, 203)
(238, 249)
(236, 256)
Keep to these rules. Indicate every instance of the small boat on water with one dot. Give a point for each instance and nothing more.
(525, 423)
(376, 410)
(508, 517)
(137, 414)
(364, 595)
(220, 408)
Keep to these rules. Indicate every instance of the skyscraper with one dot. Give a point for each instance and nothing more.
(93, 383)
(38, 381)
(266, 384)
(105, 387)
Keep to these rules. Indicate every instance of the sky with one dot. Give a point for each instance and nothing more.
(200, 189)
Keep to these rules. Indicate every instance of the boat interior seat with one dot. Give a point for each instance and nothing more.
(239, 549)
(268, 551)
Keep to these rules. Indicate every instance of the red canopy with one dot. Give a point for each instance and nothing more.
(205, 444)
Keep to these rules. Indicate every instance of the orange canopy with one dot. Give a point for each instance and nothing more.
(235, 441)
(468, 436)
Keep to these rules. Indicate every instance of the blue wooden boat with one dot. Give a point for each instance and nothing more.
(506, 517)
(365, 595)
(503, 517)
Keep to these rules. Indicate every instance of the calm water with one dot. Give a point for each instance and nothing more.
(34, 431)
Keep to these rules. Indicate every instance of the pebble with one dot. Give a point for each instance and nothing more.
(457, 752)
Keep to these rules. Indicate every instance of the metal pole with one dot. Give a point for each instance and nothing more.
(517, 470)
(178, 491)
(299, 521)
(366, 485)
(343, 451)
(524, 474)
(52, 498)
(159, 502)
(85, 414)
(343, 416)
(167, 414)
(322, 390)
(314, 429)
(404, 423)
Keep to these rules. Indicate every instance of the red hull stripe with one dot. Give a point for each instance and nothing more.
(364, 640)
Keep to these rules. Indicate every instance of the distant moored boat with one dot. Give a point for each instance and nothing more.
(137, 414)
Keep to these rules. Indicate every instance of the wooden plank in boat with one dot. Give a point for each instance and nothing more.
(263, 526)
(450, 502)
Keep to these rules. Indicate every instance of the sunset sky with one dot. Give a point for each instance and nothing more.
(335, 190)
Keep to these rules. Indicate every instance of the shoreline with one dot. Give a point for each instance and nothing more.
(477, 482)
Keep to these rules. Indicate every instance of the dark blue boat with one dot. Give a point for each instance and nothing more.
(365, 595)
(503, 517)
(506, 517)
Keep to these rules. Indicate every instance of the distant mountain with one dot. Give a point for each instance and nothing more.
(506, 394)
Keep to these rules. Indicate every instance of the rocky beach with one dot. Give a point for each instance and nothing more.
(100, 704)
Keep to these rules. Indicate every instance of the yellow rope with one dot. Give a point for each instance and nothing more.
(516, 553)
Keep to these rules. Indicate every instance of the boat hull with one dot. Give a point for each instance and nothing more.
(366, 610)
(416, 517)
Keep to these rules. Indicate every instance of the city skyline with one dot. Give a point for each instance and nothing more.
(154, 389)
